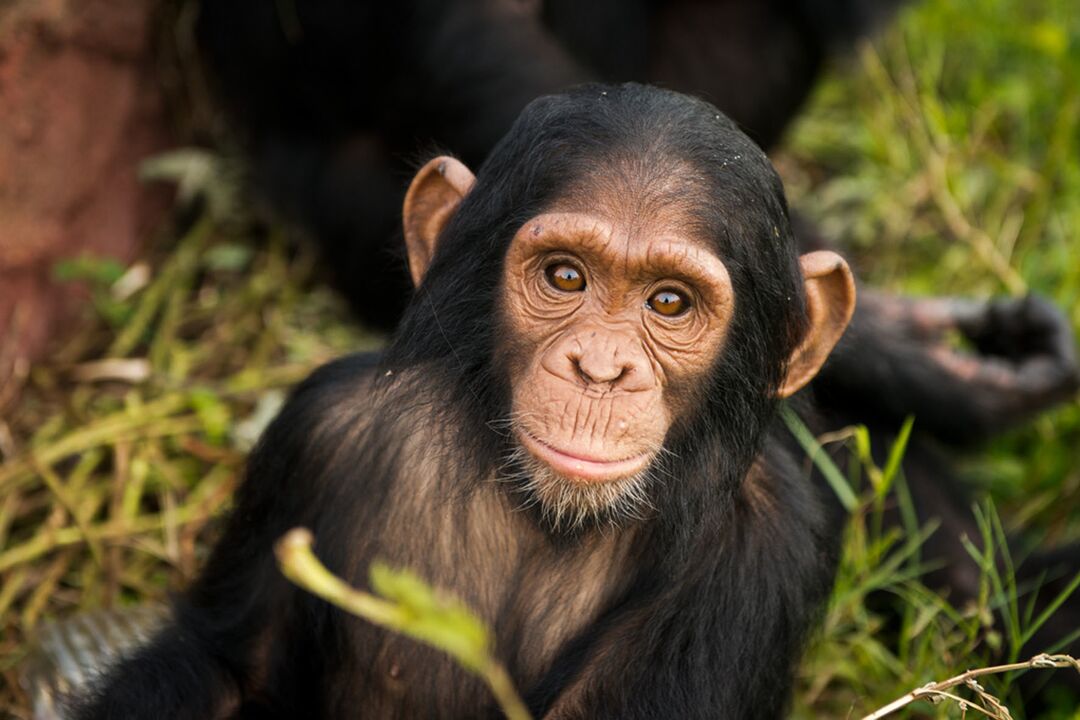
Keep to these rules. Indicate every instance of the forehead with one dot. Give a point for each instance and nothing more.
(641, 204)
(637, 189)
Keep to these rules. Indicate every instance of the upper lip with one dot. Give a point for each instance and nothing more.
(582, 456)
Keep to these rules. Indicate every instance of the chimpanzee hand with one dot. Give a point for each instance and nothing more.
(1021, 360)
(1026, 351)
(1025, 354)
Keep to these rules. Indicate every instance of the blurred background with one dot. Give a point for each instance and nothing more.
(153, 315)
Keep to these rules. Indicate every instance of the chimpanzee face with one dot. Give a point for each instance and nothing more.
(612, 315)
(608, 318)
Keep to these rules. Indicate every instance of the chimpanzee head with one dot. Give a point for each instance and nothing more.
(619, 290)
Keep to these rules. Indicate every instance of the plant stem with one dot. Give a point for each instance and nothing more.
(300, 565)
(939, 689)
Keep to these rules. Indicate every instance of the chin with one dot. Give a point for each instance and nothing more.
(567, 501)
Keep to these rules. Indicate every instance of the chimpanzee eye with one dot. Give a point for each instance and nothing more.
(565, 277)
(668, 303)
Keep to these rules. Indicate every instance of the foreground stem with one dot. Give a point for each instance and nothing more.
(300, 565)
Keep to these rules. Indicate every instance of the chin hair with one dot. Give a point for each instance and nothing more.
(565, 504)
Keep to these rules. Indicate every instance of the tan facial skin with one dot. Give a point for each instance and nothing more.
(607, 312)
(645, 309)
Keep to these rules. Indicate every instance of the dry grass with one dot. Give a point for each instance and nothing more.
(128, 443)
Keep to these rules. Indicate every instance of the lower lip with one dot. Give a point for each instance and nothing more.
(583, 469)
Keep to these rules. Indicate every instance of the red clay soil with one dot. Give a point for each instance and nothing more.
(79, 109)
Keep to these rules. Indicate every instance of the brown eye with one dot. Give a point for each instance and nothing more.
(565, 277)
(668, 303)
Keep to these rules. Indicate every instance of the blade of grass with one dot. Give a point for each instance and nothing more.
(821, 460)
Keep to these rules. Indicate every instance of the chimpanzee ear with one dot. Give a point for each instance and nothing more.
(433, 196)
(830, 301)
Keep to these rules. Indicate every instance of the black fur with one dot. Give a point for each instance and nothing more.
(335, 98)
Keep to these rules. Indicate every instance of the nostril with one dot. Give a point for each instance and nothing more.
(582, 373)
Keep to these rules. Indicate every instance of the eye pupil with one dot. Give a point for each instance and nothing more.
(565, 277)
(669, 303)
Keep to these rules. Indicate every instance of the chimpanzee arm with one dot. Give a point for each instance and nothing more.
(895, 361)
(207, 662)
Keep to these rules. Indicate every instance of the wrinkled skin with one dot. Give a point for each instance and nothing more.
(604, 367)
(602, 370)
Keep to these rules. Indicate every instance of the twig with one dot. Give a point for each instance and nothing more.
(56, 487)
(959, 225)
(935, 156)
(48, 541)
(939, 689)
(99, 432)
(157, 294)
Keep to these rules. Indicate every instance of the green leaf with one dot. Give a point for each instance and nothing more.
(442, 622)
(862, 444)
(1049, 38)
(213, 413)
(100, 270)
(228, 257)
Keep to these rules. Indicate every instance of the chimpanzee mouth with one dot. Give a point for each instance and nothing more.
(552, 481)
(580, 467)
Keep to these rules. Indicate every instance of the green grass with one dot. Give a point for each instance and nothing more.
(943, 156)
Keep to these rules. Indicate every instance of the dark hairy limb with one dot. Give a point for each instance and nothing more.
(896, 360)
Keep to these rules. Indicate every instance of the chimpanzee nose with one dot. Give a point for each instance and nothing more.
(604, 362)
(596, 372)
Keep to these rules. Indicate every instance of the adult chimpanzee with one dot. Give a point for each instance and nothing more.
(573, 430)
(338, 96)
